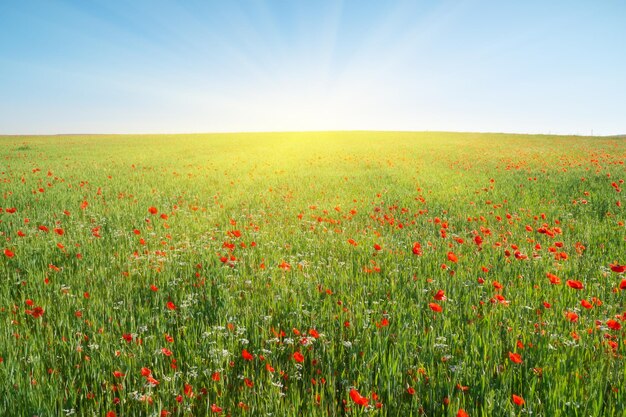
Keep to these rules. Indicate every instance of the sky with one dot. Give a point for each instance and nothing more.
(156, 66)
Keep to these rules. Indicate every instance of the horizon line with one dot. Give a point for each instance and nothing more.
(619, 135)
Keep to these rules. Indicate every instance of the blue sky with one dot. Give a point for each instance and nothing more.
(105, 66)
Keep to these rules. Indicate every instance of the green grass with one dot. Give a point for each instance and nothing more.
(238, 206)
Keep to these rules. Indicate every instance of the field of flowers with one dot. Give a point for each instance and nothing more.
(312, 274)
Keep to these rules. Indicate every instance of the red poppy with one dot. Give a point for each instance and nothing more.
(440, 296)
(146, 372)
(435, 307)
(410, 391)
(618, 268)
(613, 324)
(246, 355)
(383, 323)
(571, 316)
(8, 253)
(153, 210)
(216, 409)
(577, 285)
(452, 257)
(417, 249)
(298, 357)
(553, 278)
(358, 398)
(170, 305)
(586, 304)
(377, 247)
(35, 312)
(518, 400)
(515, 357)
(118, 374)
(462, 413)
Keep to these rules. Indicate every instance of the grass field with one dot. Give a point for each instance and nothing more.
(312, 274)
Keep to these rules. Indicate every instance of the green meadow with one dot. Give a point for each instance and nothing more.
(312, 274)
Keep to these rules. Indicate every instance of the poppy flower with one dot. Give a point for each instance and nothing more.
(246, 355)
(153, 210)
(118, 374)
(150, 380)
(435, 307)
(383, 323)
(518, 400)
(216, 409)
(358, 398)
(618, 268)
(553, 278)
(377, 247)
(8, 253)
(440, 295)
(170, 305)
(613, 324)
(571, 316)
(462, 413)
(577, 285)
(298, 357)
(146, 372)
(452, 257)
(410, 391)
(417, 249)
(586, 304)
(515, 357)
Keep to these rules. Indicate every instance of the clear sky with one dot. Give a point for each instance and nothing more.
(107, 66)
